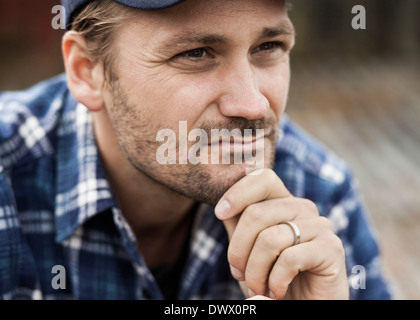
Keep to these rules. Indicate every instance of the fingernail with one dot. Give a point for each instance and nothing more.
(250, 293)
(236, 273)
(222, 209)
(271, 295)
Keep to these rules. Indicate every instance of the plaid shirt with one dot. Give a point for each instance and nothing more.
(57, 208)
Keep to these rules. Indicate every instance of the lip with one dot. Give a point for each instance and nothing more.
(239, 144)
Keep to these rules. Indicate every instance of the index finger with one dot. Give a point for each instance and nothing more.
(250, 189)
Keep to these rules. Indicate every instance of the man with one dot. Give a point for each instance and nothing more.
(95, 206)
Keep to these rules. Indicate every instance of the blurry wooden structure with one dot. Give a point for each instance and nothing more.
(369, 114)
(324, 27)
(358, 91)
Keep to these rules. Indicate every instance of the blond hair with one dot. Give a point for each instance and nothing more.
(97, 23)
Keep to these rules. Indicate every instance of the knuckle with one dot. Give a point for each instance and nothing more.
(305, 207)
(338, 246)
(335, 246)
(289, 258)
(309, 206)
(253, 214)
(268, 238)
(325, 223)
(270, 174)
(270, 177)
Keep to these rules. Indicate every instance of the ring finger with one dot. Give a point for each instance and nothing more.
(259, 217)
(268, 246)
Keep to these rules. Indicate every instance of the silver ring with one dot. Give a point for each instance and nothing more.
(295, 229)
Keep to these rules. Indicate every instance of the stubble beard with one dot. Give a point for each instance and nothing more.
(201, 182)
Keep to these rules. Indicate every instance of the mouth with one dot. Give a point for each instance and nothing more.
(239, 144)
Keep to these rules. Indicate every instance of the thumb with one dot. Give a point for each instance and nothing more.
(220, 210)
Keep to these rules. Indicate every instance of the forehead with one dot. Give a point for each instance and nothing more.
(201, 8)
(223, 16)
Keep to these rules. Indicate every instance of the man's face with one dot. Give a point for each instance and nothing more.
(210, 65)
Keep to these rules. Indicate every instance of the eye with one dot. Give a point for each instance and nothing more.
(269, 46)
(199, 59)
(194, 54)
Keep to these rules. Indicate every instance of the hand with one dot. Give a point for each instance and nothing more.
(261, 253)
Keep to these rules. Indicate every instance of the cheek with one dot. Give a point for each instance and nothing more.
(275, 88)
(168, 100)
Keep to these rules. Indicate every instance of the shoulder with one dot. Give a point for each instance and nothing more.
(27, 119)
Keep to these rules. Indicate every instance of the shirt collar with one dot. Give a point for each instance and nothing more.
(82, 188)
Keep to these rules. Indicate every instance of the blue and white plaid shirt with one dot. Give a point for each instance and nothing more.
(57, 208)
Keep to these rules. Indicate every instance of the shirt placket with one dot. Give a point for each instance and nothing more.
(207, 244)
(147, 287)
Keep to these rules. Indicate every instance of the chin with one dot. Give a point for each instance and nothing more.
(205, 183)
(212, 183)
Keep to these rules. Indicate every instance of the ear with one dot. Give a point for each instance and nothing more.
(84, 75)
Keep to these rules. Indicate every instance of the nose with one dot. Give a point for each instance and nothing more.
(241, 93)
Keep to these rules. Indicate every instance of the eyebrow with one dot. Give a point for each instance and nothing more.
(198, 39)
(186, 39)
(283, 29)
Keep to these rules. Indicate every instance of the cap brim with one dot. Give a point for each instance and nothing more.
(73, 6)
(149, 4)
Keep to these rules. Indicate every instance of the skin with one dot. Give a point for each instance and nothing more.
(215, 64)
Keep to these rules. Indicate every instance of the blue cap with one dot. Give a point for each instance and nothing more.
(71, 6)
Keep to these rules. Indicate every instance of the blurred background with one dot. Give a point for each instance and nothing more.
(358, 91)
